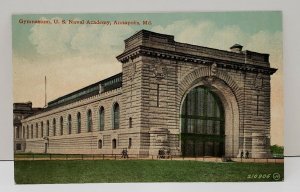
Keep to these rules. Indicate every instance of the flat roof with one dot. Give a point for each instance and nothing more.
(84, 92)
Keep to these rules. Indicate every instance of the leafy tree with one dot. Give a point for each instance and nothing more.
(277, 150)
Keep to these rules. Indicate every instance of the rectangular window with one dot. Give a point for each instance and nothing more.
(31, 131)
(157, 99)
(189, 125)
(210, 127)
(130, 122)
(17, 132)
(217, 128)
(101, 122)
(79, 125)
(18, 146)
(183, 124)
(42, 130)
(129, 143)
(48, 128)
(257, 104)
(36, 132)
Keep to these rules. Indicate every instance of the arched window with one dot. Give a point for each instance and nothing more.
(42, 129)
(130, 122)
(202, 123)
(54, 126)
(69, 124)
(61, 125)
(116, 116)
(89, 121)
(36, 130)
(114, 143)
(31, 132)
(100, 144)
(129, 143)
(47, 130)
(101, 118)
(78, 122)
(27, 132)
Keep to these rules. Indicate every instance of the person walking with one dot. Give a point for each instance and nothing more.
(247, 154)
(242, 155)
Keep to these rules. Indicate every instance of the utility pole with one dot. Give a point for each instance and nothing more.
(45, 91)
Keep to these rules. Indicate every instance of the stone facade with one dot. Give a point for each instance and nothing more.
(157, 74)
(21, 111)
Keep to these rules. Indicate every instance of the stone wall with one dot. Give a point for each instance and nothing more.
(84, 142)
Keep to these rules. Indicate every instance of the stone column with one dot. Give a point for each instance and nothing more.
(260, 146)
(158, 140)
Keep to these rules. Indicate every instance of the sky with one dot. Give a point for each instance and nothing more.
(73, 56)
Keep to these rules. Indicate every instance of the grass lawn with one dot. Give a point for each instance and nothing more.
(34, 172)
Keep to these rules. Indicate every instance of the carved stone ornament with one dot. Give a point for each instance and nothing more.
(213, 69)
(132, 70)
(209, 80)
(161, 138)
(258, 82)
(160, 70)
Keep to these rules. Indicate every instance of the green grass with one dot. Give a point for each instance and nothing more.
(34, 172)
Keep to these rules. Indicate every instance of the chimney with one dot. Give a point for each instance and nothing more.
(237, 48)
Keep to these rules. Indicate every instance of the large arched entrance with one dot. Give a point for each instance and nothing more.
(202, 123)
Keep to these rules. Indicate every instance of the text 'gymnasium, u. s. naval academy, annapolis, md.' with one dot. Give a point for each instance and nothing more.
(84, 22)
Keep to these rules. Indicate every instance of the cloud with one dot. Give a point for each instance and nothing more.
(208, 34)
(94, 40)
(89, 40)
(63, 76)
(71, 56)
(52, 39)
(189, 32)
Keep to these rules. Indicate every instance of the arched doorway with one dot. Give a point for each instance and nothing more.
(202, 123)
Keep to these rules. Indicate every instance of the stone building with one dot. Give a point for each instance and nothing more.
(186, 99)
(21, 111)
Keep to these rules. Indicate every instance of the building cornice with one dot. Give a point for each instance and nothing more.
(184, 57)
(76, 104)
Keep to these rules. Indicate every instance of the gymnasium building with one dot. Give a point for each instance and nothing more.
(186, 99)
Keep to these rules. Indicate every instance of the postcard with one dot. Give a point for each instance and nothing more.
(148, 97)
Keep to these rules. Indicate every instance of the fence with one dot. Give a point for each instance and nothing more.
(72, 157)
(29, 156)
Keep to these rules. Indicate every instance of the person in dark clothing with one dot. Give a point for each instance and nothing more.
(124, 154)
(242, 154)
(247, 154)
(161, 154)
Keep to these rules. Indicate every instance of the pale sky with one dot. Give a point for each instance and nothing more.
(74, 56)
